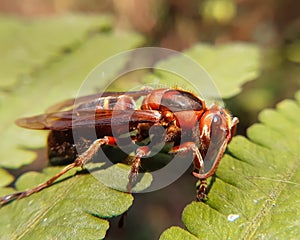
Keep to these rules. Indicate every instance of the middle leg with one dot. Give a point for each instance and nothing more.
(136, 164)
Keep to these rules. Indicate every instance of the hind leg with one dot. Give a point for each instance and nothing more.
(79, 162)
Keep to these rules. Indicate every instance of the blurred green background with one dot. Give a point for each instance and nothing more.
(274, 25)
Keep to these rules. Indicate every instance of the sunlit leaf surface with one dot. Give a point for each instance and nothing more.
(74, 208)
(5, 177)
(208, 69)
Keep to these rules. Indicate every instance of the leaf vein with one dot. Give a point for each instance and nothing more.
(269, 203)
(36, 220)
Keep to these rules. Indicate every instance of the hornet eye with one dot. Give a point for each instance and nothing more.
(216, 120)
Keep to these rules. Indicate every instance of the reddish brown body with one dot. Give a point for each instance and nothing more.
(187, 122)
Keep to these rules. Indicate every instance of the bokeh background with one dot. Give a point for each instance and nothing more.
(274, 25)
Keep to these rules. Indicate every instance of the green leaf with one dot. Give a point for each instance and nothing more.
(229, 66)
(5, 178)
(257, 187)
(27, 45)
(53, 82)
(176, 233)
(74, 208)
(221, 63)
(116, 177)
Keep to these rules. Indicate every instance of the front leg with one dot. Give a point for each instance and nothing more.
(198, 165)
(190, 147)
(202, 191)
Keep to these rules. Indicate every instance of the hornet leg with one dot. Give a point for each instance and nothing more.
(79, 162)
